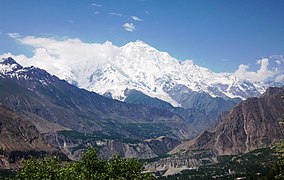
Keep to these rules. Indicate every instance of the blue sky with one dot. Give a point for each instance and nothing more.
(217, 34)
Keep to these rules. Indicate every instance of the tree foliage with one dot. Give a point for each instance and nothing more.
(279, 149)
(89, 167)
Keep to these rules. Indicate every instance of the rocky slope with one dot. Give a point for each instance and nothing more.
(252, 124)
(73, 144)
(35, 91)
(59, 102)
(20, 139)
(174, 164)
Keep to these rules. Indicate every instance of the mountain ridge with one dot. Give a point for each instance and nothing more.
(35, 91)
(252, 124)
(144, 68)
(157, 74)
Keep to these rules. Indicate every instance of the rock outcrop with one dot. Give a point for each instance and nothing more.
(252, 124)
(19, 139)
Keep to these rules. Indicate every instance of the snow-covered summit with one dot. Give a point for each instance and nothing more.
(10, 68)
(8, 65)
(157, 74)
(108, 69)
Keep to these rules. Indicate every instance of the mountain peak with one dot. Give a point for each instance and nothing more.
(8, 65)
(9, 61)
(138, 44)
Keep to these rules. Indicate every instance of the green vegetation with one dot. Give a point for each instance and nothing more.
(141, 130)
(147, 130)
(253, 165)
(97, 136)
(279, 166)
(75, 134)
(5, 173)
(279, 150)
(89, 167)
(120, 132)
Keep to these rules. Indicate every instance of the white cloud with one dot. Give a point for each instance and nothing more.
(129, 27)
(280, 78)
(278, 59)
(18, 58)
(97, 5)
(59, 57)
(135, 18)
(115, 14)
(96, 12)
(262, 74)
(278, 62)
(14, 35)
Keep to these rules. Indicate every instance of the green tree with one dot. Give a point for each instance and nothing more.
(45, 168)
(279, 149)
(89, 167)
(122, 168)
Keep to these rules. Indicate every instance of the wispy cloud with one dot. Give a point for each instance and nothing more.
(278, 62)
(129, 27)
(97, 5)
(96, 12)
(14, 35)
(135, 18)
(277, 59)
(115, 14)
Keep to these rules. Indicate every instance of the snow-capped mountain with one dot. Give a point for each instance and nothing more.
(157, 74)
(10, 68)
(36, 92)
(139, 66)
